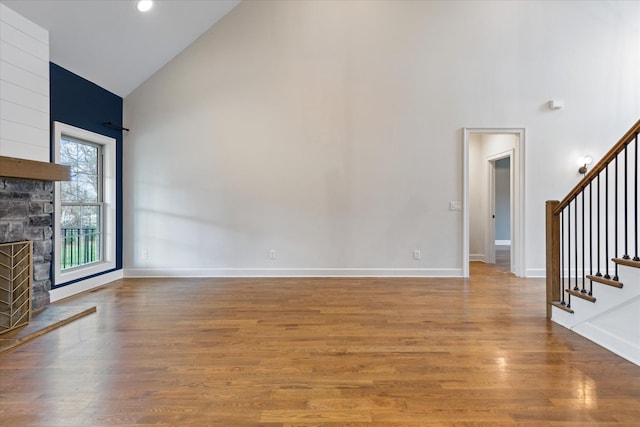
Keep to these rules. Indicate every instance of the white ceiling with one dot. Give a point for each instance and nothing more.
(112, 44)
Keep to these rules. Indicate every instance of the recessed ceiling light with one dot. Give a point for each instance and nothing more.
(145, 5)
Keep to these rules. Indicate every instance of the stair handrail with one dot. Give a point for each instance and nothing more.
(552, 218)
(599, 167)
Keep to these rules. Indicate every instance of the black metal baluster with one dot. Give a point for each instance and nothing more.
(584, 269)
(606, 223)
(575, 241)
(73, 243)
(63, 249)
(562, 245)
(615, 220)
(590, 237)
(626, 202)
(77, 248)
(635, 198)
(86, 246)
(569, 252)
(598, 274)
(68, 243)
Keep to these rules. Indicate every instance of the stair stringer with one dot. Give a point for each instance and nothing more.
(613, 321)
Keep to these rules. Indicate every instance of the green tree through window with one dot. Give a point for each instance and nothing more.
(81, 204)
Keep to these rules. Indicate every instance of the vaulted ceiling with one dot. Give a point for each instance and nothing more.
(111, 43)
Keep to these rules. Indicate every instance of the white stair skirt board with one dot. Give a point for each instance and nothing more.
(613, 321)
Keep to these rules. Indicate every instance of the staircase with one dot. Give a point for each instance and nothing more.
(593, 264)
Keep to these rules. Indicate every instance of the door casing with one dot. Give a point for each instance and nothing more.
(517, 199)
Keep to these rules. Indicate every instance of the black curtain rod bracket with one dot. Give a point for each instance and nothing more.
(115, 126)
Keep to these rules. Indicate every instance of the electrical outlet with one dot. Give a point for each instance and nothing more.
(273, 254)
(144, 254)
(455, 206)
(416, 254)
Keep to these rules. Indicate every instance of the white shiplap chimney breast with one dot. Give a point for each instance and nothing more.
(24, 88)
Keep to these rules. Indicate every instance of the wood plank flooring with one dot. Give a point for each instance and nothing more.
(303, 352)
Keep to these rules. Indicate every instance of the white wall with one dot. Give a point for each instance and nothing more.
(24, 88)
(331, 131)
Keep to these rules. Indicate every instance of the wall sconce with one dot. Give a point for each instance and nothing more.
(584, 162)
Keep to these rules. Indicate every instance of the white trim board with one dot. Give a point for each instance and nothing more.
(293, 272)
(109, 152)
(84, 285)
(536, 273)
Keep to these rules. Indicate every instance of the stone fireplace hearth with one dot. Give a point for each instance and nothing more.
(26, 208)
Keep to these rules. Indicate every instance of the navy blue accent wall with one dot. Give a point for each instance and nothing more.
(83, 104)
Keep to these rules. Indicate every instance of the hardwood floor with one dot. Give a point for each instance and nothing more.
(301, 352)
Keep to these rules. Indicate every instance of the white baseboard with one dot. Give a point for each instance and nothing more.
(503, 242)
(476, 257)
(535, 273)
(293, 272)
(542, 272)
(84, 285)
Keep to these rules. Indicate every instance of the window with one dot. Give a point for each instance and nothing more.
(81, 204)
(85, 205)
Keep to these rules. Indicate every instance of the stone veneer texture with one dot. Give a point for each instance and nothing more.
(26, 208)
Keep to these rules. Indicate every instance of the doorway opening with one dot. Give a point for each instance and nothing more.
(493, 213)
(499, 227)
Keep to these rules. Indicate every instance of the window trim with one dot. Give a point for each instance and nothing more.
(108, 262)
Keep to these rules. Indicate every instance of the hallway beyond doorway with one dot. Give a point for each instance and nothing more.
(500, 268)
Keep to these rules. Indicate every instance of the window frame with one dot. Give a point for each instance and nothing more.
(99, 203)
(108, 188)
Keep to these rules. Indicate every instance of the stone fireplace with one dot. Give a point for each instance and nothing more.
(26, 213)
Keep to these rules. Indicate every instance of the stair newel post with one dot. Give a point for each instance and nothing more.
(552, 255)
